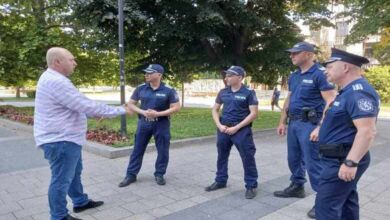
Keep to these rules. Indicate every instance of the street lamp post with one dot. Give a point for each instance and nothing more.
(121, 66)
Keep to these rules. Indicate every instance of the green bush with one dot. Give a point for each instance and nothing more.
(379, 77)
(30, 94)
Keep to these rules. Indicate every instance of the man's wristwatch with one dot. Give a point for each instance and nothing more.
(350, 163)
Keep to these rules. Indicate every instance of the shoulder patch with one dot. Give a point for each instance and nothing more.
(357, 87)
(365, 105)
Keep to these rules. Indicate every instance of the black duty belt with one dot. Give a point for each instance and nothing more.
(295, 117)
(339, 151)
(141, 117)
(232, 124)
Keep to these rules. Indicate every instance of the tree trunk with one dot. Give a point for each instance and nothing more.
(182, 94)
(17, 92)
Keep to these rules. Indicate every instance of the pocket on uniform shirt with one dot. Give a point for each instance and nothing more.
(161, 101)
(307, 90)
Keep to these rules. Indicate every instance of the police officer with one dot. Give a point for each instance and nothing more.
(234, 127)
(309, 93)
(158, 102)
(346, 134)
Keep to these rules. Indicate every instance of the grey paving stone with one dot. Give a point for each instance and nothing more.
(184, 197)
(113, 214)
(22, 150)
(8, 216)
(188, 215)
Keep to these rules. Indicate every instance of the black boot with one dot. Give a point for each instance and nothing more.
(312, 213)
(293, 190)
(127, 181)
(69, 217)
(215, 186)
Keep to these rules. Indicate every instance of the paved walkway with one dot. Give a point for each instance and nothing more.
(24, 178)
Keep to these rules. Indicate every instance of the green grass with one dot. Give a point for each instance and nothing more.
(385, 106)
(13, 99)
(189, 122)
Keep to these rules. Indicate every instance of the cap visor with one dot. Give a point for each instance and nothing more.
(331, 60)
(230, 72)
(149, 70)
(293, 50)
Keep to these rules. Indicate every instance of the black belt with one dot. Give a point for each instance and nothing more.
(295, 117)
(339, 151)
(230, 124)
(299, 117)
(141, 117)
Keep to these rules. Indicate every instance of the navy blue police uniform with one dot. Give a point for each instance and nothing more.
(236, 109)
(305, 91)
(158, 99)
(337, 199)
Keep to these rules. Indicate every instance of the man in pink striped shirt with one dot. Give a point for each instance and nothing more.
(60, 126)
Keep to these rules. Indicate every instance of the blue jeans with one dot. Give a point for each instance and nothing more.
(303, 154)
(66, 165)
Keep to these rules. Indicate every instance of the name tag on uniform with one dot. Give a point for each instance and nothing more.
(239, 97)
(161, 94)
(336, 103)
(310, 81)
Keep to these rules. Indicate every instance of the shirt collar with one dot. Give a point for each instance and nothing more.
(310, 70)
(50, 70)
(159, 88)
(241, 88)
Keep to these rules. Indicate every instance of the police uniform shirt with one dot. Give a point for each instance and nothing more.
(236, 104)
(159, 99)
(356, 100)
(306, 89)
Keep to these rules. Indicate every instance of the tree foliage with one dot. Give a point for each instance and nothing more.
(379, 77)
(191, 36)
(382, 49)
(370, 17)
(30, 27)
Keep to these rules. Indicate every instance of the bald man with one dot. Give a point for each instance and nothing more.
(60, 126)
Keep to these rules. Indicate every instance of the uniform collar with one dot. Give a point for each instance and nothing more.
(350, 85)
(160, 87)
(310, 70)
(241, 88)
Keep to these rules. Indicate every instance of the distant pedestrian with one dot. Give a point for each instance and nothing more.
(275, 99)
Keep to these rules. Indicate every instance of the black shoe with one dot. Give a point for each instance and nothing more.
(160, 180)
(127, 181)
(250, 193)
(90, 205)
(293, 190)
(69, 217)
(312, 213)
(215, 186)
